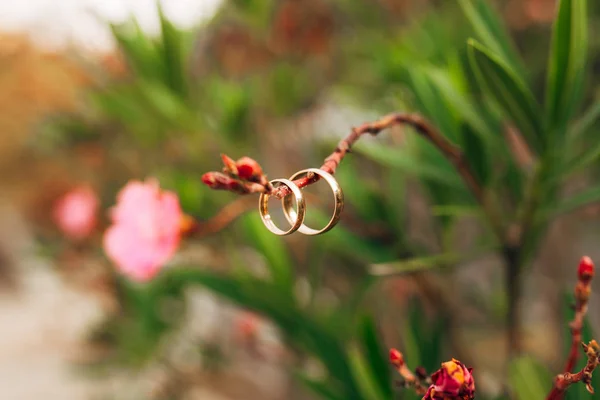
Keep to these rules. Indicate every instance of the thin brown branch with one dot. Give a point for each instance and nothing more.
(420, 124)
(227, 215)
(582, 293)
(563, 381)
(229, 178)
(585, 273)
(245, 175)
(418, 381)
(224, 217)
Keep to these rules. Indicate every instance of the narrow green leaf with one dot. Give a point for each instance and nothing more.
(476, 154)
(580, 161)
(581, 199)
(418, 264)
(434, 104)
(408, 163)
(139, 51)
(567, 60)
(376, 356)
(457, 211)
(173, 55)
(414, 264)
(273, 248)
(509, 92)
(488, 26)
(530, 379)
(463, 105)
(364, 376)
(579, 53)
(589, 119)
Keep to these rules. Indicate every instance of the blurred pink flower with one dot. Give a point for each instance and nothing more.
(145, 231)
(75, 213)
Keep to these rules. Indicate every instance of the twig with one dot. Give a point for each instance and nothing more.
(229, 178)
(563, 381)
(422, 126)
(419, 381)
(585, 273)
(227, 215)
(224, 217)
(245, 175)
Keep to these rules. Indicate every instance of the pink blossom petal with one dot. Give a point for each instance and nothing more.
(76, 212)
(146, 229)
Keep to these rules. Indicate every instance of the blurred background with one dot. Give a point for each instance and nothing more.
(96, 93)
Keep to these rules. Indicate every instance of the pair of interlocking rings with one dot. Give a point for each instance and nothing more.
(296, 216)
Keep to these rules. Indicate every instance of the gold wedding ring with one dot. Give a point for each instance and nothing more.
(296, 221)
(293, 217)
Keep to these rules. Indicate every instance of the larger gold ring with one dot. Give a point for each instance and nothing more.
(338, 196)
(263, 208)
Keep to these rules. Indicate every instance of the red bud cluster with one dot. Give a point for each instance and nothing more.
(242, 176)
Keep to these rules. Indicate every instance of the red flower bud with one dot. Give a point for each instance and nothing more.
(209, 178)
(396, 358)
(248, 168)
(586, 269)
(229, 164)
(453, 381)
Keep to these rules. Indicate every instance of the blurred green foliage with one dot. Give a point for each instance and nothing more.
(456, 63)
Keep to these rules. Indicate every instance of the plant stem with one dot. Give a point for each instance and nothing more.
(512, 255)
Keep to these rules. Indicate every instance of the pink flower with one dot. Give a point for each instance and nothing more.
(453, 381)
(75, 212)
(145, 231)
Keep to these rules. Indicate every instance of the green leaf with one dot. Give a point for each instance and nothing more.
(580, 162)
(463, 105)
(581, 199)
(591, 116)
(434, 104)
(141, 54)
(273, 248)
(412, 265)
(173, 55)
(418, 264)
(509, 92)
(529, 379)
(376, 356)
(566, 63)
(488, 26)
(457, 211)
(423, 337)
(364, 375)
(403, 160)
(476, 154)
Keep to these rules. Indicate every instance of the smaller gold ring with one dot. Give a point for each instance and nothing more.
(338, 196)
(263, 208)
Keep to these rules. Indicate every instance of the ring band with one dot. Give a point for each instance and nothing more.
(263, 208)
(338, 196)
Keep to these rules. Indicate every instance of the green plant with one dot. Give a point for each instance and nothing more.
(486, 146)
